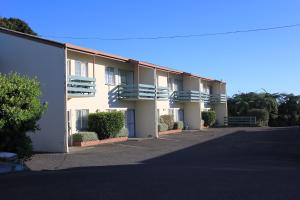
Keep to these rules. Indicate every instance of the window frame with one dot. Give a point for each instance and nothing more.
(82, 118)
(107, 79)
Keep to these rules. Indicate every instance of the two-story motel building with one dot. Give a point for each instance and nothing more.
(76, 81)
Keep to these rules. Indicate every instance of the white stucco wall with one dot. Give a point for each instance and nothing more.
(163, 106)
(105, 97)
(145, 113)
(47, 63)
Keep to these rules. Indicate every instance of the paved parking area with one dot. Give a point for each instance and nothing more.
(130, 152)
(237, 163)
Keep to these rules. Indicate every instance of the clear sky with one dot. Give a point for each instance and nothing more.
(247, 62)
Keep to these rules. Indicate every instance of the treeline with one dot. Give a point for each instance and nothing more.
(276, 109)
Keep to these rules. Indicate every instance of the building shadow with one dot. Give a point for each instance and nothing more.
(247, 164)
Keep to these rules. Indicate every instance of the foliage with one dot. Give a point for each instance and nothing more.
(179, 125)
(17, 143)
(106, 124)
(162, 127)
(123, 132)
(16, 25)
(84, 136)
(20, 108)
(209, 118)
(262, 116)
(167, 119)
(283, 109)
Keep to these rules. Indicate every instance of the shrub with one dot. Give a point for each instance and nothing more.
(20, 109)
(167, 119)
(162, 127)
(178, 125)
(123, 132)
(106, 124)
(84, 136)
(209, 118)
(262, 116)
(17, 143)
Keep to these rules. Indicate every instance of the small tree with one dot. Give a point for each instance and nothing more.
(16, 25)
(20, 109)
(209, 118)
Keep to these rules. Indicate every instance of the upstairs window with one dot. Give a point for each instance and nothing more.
(109, 76)
(81, 69)
(126, 77)
(175, 84)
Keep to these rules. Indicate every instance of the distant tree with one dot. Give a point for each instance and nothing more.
(16, 25)
(20, 109)
(283, 109)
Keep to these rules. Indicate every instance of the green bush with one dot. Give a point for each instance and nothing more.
(17, 143)
(178, 125)
(123, 132)
(262, 116)
(84, 136)
(106, 124)
(20, 109)
(167, 119)
(209, 118)
(162, 127)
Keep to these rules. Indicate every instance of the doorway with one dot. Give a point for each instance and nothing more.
(130, 122)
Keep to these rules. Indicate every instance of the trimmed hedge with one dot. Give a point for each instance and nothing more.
(209, 118)
(106, 124)
(84, 136)
(123, 132)
(167, 119)
(162, 127)
(262, 116)
(178, 125)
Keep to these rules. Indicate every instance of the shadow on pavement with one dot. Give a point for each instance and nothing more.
(243, 165)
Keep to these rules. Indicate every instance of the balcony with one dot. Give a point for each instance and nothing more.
(187, 96)
(142, 92)
(136, 92)
(162, 93)
(218, 98)
(81, 86)
(213, 98)
(196, 96)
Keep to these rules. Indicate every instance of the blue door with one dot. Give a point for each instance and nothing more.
(130, 117)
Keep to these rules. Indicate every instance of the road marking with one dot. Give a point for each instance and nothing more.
(161, 138)
(132, 146)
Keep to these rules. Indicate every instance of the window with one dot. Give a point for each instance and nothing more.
(175, 84)
(109, 76)
(82, 119)
(81, 69)
(126, 77)
(170, 84)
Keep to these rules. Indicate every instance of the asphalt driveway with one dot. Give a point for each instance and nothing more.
(237, 163)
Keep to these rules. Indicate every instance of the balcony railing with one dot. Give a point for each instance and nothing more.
(142, 92)
(196, 96)
(81, 86)
(162, 93)
(218, 98)
(187, 96)
(135, 92)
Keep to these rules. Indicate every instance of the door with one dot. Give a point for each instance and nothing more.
(180, 115)
(130, 118)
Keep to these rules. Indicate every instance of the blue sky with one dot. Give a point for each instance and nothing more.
(248, 61)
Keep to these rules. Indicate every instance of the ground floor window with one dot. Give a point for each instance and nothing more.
(82, 119)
